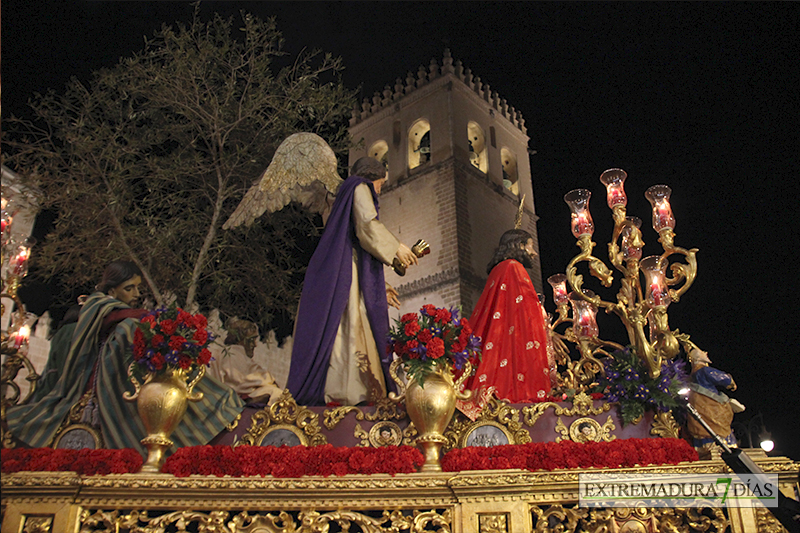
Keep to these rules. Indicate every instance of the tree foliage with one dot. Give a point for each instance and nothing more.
(148, 159)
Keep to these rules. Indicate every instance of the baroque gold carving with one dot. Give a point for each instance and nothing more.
(410, 434)
(359, 433)
(305, 521)
(586, 430)
(495, 413)
(38, 524)
(385, 434)
(284, 414)
(624, 520)
(692, 519)
(767, 523)
(493, 523)
(582, 405)
(664, 426)
(234, 423)
(557, 518)
(385, 409)
(337, 414)
(150, 503)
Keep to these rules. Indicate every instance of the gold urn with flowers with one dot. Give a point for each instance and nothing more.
(432, 346)
(170, 352)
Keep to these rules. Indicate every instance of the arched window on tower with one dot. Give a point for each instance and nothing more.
(419, 143)
(477, 147)
(380, 151)
(510, 176)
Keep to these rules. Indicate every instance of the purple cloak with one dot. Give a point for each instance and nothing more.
(325, 292)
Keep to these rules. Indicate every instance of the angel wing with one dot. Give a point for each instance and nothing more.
(303, 169)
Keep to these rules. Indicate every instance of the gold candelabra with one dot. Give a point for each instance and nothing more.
(13, 343)
(646, 286)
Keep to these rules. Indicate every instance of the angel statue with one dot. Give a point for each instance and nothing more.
(342, 323)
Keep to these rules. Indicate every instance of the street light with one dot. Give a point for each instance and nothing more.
(753, 425)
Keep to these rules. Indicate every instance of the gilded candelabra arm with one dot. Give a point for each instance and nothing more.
(662, 338)
(593, 298)
(685, 273)
(574, 279)
(597, 268)
(618, 213)
(586, 369)
(684, 341)
(607, 344)
(627, 303)
(15, 361)
(614, 254)
(615, 257)
(561, 351)
(563, 316)
(646, 351)
(16, 357)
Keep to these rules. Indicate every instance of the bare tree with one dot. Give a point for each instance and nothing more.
(151, 157)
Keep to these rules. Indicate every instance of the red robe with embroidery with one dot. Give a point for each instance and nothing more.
(508, 319)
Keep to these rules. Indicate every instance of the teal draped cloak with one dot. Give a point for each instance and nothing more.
(37, 423)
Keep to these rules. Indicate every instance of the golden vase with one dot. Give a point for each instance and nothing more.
(161, 402)
(431, 407)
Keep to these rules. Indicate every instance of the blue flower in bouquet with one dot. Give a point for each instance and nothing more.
(631, 375)
(663, 383)
(459, 358)
(628, 383)
(454, 313)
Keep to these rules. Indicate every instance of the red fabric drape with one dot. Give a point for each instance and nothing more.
(508, 319)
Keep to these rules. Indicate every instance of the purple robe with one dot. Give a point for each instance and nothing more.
(324, 298)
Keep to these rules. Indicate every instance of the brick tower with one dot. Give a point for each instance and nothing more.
(458, 165)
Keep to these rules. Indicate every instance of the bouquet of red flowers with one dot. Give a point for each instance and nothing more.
(434, 337)
(171, 337)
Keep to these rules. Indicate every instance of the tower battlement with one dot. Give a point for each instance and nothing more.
(402, 88)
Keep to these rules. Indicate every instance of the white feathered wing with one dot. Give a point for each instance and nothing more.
(303, 170)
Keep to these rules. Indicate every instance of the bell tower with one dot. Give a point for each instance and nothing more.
(458, 163)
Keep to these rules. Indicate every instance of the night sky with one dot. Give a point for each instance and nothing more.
(702, 97)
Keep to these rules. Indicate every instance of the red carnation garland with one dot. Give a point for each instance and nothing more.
(85, 462)
(292, 461)
(327, 460)
(619, 453)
